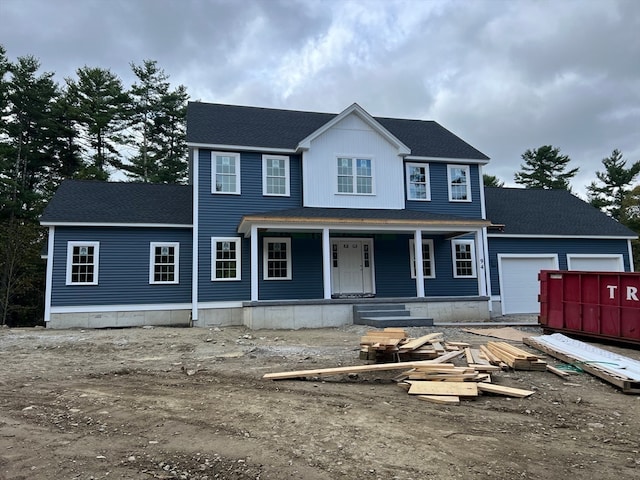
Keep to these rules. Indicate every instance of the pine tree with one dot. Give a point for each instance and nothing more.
(614, 184)
(492, 181)
(99, 108)
(545, 168)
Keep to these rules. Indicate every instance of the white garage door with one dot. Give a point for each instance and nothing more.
(519, 286)
(595, 263)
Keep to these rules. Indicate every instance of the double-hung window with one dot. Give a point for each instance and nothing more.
(459, 183)
(163, 263)
(225, 254)
(275, 175)
(428, 266)
(225, 172)
(82, 263)
(464, 263)
(276, 258)
(418, 181)
(355, 175)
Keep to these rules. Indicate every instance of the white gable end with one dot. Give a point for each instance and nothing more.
(351, 165)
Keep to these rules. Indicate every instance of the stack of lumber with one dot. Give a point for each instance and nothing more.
(514, 357)
(393, 344)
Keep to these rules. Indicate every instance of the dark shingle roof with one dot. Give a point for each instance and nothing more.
(84, 201)
(217, 124)
(548, 212)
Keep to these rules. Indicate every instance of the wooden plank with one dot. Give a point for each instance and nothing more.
(357, 368)
(477, 357)
(486, 368)
(469, 355)
(461, 389)
(557, 371)
(502, 390)
(418, 342)
(440, 399)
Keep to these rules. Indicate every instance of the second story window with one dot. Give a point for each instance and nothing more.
(459, 183)
(355, 175)
(418, 181)
(225, 172)
(275, 175)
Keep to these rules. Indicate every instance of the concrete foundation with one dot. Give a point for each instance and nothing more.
(141, 318)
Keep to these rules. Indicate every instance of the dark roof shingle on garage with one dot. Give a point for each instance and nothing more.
(234, 125)
(533, 211)
(86, 201)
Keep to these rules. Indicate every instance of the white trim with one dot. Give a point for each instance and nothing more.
(305, 143)
(152, 262)
(105, 224)
(354, 174)
(483, 209)
(121, 308)
(467, 169)
(369, 228)
(195, 236)
(265, 259)
(616, 256)
(631, 266)
(454, 260)
(236, 157)
(287, 175)
(49, 275)
(244, 148)
(408, 182)
(445, 160)
(501, 256)
(214, 305)
(601, 237)
(326, 264)
(96, 261)
(238, 259)
(255, 289)
(412, 253)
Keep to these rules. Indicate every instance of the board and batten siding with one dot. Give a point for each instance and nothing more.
(219, 216)
(123, 275)
(439, 185)
(352, 137)
(559, 246)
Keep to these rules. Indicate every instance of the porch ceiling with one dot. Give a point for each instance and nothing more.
(359, 220)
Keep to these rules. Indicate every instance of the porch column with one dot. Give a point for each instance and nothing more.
(326, 263)
(480, 262)
(254, 263)
(417, 254)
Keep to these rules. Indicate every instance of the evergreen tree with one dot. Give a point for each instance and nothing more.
(492, 181)
(158, 117)
(545, 168)
(99, 111)
(614, 184)
(630, 216)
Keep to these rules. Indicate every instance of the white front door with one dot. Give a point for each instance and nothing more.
(352, 266)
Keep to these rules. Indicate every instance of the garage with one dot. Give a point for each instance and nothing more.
(595, 263)
(519, 286)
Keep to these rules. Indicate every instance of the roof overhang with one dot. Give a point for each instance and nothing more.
(102, 224)
(451, 160)
(242, 148)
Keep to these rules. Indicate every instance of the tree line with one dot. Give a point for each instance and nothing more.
(614, 192)
(89, 127)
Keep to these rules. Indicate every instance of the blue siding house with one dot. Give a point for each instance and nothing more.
(291, 218)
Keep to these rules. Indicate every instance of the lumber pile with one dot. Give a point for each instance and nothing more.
(515, 357)
(393, 344)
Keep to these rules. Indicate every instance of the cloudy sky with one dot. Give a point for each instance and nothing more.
(504, 75)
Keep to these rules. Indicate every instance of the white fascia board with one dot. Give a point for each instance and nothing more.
(403, 150)
(100, 224)
(243, 148)
(446, 160)
(589, 237)
(121, 308)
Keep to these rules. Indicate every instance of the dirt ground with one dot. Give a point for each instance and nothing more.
(162, 403)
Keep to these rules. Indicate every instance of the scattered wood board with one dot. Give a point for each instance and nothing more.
(459, 389)
(502, 390)
(505, 333)
(440, 399)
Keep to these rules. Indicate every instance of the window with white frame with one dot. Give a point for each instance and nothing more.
(464, 258)
(225, 254)
(275, 175)
(276, 258)
(82, 263)
(428, 266)
(355, 175)
(163, 262)
(418, 181)
(459, 183)
(225, 172)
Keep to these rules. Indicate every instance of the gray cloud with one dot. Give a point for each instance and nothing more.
(505, 76)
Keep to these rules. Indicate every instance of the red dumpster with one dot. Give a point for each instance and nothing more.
(593, 304)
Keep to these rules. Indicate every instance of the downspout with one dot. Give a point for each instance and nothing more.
(195, 240)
